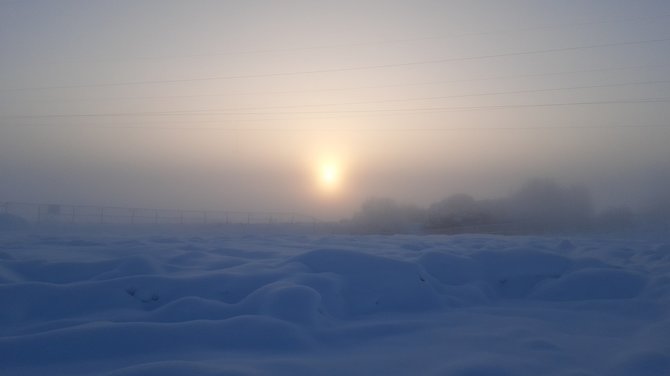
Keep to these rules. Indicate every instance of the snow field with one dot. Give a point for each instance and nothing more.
(215, 304)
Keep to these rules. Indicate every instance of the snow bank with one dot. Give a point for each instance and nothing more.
(213, 304)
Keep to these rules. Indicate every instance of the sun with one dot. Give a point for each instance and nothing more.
(329, 176)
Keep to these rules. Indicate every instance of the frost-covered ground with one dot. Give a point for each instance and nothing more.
(216, 304)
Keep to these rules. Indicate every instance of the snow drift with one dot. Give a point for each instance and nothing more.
(209, 304)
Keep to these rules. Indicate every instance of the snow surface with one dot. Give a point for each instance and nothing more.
(251, 304)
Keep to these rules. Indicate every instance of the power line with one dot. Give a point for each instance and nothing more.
(348, 69)
(425, 83)
(400, 110)
(394, 41)
(465, 95)
(352, 129)
(469, 95)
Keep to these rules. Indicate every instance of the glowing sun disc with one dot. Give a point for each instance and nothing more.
(329, 176)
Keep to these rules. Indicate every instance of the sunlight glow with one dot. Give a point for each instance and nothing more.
(329, 176)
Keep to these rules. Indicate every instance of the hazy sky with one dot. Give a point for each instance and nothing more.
(241, 105)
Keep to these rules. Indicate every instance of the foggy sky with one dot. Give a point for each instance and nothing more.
(233, 104)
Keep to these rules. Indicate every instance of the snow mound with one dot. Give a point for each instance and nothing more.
(589, 284)
(177, 368)
(514, 273)
(251, 304)
(104, 340)
(373, 283)
(450, 269)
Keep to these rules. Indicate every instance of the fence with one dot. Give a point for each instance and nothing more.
(86, 214)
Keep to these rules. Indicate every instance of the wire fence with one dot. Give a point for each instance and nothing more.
(89, 214)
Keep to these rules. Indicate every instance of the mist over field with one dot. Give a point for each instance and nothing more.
(353, 187)
(238, 106)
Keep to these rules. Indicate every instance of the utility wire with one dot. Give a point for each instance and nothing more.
(466, 95)
(350, 129)
(425, 83)
(463, 95)
(393, 41)
(523, 91)
(349, 69)
(399, 110)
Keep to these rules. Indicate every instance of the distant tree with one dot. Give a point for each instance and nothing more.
(384, 215)
(544, 204)
(496, 211)
(539, 205)
(456, 210)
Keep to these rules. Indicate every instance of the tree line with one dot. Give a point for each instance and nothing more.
(539, 206)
